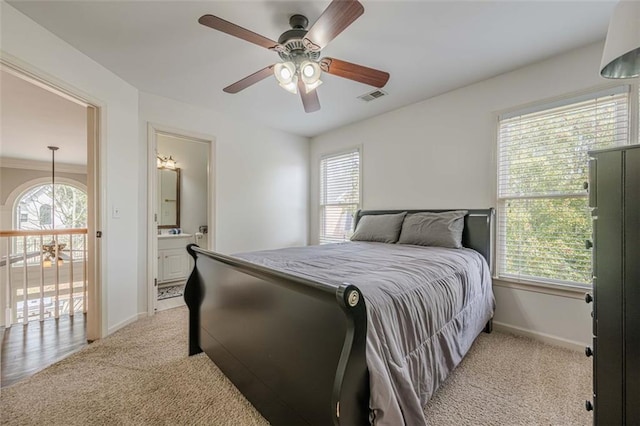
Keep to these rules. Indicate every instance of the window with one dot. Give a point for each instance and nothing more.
(339, 195)
(44, 214)
(33, 209)
(543, 214)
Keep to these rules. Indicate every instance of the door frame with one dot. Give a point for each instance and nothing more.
(153, 129)
(96, 168)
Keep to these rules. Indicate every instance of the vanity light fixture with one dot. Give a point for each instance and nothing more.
(164, 162)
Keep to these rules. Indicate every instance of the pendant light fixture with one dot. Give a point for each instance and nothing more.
(621, 56)
(52, 249)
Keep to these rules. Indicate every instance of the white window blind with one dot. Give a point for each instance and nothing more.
(339, 195)
(543, 217)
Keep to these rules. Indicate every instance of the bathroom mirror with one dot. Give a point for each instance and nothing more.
(168, 198)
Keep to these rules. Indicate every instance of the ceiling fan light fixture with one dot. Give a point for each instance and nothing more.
(312, 86)
(299, 49)
(284, 72)
(310, 72)
(291, 87)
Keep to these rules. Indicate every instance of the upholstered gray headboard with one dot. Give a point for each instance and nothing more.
(478, 228)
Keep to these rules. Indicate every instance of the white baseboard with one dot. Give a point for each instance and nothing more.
(125, 323)
(543, 337)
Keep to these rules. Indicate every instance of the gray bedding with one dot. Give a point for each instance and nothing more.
(425, 307)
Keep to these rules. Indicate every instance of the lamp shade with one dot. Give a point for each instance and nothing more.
(310, 73)
(621, 57)
(285, 73)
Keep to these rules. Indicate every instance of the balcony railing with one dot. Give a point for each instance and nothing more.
(44, 274)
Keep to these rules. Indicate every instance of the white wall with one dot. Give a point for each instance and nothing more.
(439, 153)
(261, 174)
(260, 177)
(12, 178)
(29, 45)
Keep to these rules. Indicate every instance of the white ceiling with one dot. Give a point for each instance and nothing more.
(427, 47)
(32, 118)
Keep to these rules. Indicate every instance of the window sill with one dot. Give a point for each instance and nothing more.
(572, 292)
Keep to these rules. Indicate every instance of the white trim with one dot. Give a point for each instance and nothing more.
(19, 163)
(542, 337)
(126, 322)
(609, 88)
(359, 148)
(341, 152)
(571, 292)
(153, 129)
(39, 82)
(526, 283)
(23, 188)
(550, 195)
(97, 316)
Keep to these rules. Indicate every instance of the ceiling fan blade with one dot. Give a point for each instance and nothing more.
(310, 100)
(249, 80)
(354, 72)
(237, 31)
(336, 17)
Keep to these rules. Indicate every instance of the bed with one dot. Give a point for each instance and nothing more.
(345, 333)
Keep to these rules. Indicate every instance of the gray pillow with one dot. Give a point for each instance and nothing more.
(434, 229)
(382, 228)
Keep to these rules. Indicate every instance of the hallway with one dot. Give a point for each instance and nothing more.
(27, 349)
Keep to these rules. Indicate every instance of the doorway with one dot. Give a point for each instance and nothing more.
(180, 206)
(50, 163)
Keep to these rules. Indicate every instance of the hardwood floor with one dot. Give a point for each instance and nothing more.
(27, 349)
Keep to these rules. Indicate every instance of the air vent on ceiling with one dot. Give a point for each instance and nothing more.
(373, 95)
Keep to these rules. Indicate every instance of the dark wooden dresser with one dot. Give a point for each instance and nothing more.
(614, 196)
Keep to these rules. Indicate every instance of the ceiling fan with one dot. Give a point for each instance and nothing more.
(299, 49)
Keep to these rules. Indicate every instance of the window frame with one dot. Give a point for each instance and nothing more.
(21, 190)
(633, 108)
(37, 183)
(354, 148)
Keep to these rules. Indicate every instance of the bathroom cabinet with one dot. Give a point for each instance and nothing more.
(173, 260)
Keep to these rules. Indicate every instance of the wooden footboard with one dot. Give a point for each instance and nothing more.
(294, 347)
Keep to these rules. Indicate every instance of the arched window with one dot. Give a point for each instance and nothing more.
(44, 214)
(34, 208)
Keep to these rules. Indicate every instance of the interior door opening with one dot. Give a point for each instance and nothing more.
(49, 256)
(180, 207)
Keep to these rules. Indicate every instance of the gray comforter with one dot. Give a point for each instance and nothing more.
(425, 307)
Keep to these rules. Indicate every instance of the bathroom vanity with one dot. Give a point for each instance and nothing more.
(173, 260)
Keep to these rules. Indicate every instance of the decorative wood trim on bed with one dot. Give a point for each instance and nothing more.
(295, 348)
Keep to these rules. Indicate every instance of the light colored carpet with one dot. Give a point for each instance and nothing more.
(141, 375)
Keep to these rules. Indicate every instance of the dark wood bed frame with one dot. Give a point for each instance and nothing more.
(294, 347)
